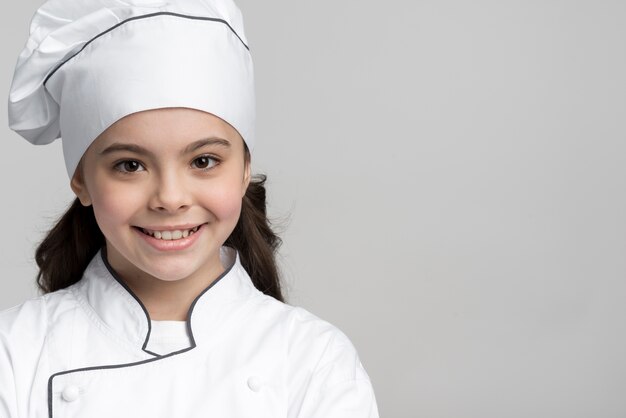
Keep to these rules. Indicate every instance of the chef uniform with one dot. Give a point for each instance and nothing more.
(84, 351)
(91, 350)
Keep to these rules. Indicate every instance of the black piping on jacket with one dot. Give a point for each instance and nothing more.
(103, 255)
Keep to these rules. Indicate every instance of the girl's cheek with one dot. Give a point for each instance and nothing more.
(115, 205)
(224, 201)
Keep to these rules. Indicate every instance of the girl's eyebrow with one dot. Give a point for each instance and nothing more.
(138, 149)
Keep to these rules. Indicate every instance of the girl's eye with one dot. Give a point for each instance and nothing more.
(205, 162)
(128, 166)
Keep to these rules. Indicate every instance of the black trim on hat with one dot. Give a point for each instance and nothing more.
(213, 19)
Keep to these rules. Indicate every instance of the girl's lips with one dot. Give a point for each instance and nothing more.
(169, 228)
(171, 245)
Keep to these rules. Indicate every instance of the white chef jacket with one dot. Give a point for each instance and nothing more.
(83, 352)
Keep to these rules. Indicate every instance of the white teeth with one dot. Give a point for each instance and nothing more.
(170, 235)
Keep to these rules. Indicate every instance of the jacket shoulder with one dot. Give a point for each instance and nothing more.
(334, 352)
(24, 317)
(314, 345)
(29, 320)
(304, 327)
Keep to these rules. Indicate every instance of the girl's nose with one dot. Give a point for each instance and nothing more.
(170, 193)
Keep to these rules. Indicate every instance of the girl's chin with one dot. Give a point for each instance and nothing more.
(169, 274)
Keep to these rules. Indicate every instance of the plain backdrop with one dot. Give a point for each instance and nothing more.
(450, 180)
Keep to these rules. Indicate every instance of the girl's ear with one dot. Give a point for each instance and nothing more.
(78, 186)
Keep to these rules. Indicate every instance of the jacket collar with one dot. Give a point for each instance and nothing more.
(103, 293)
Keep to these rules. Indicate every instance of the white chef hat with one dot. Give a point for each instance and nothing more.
(88, 63)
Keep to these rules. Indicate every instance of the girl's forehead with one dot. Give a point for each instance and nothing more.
(169, 128)
(169, 119)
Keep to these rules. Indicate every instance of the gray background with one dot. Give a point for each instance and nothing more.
(450, 176)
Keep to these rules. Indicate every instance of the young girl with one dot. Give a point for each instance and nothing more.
(161, 296)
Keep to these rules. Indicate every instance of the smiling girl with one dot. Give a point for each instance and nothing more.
(160, 292)
(166, 200)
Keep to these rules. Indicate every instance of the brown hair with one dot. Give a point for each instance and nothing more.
(74, 240)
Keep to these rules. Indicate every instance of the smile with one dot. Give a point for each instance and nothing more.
(170, 235)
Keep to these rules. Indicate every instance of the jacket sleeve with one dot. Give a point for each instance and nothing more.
(8, 396)
(337, 385)
(347, 398)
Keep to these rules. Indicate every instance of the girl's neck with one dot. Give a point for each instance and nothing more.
(164, 300)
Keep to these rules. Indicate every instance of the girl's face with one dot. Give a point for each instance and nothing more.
(165, 170)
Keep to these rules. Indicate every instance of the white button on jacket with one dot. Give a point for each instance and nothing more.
(81, 352)
(70, 393)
